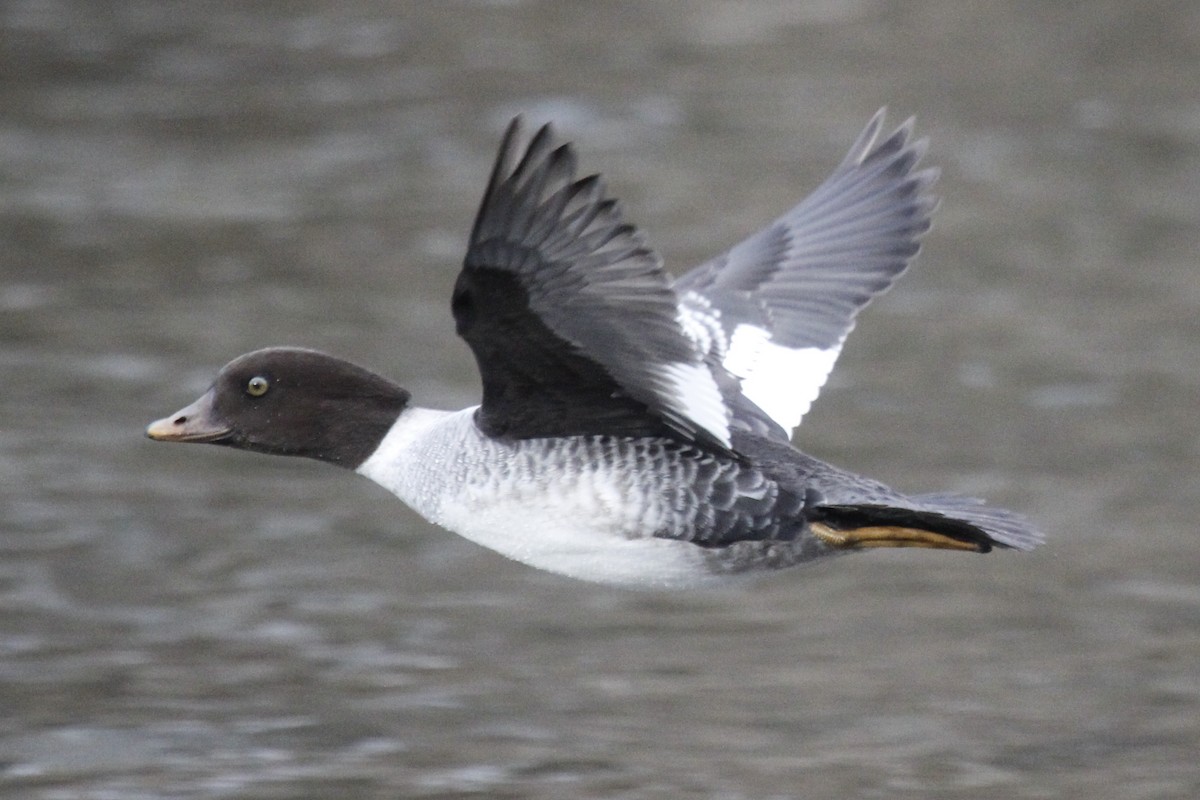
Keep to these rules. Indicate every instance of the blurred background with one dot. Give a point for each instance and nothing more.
(181, 182)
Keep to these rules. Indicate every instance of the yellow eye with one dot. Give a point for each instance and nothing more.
(257, 386)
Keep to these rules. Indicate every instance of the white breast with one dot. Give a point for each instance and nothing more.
(574, 506)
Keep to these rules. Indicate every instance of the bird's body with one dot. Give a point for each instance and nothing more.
(633, 430)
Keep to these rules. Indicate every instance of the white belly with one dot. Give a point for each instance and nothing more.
(563, 540)
(587, 518)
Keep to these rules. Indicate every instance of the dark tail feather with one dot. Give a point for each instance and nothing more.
(963, 519)
(1005, 528)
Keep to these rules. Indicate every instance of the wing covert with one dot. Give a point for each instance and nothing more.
(573, 323)
(782, 302)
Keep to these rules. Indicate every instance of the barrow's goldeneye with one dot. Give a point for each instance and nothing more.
(633, 429)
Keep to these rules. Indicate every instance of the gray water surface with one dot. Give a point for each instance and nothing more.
(183, 182)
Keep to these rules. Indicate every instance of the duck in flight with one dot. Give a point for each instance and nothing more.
(633, 429)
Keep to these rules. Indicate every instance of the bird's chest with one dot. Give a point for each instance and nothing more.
(587, 507)
(533, 493)
(595, 524)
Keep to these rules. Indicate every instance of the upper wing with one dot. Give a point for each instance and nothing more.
(775, 309)
(573, 323)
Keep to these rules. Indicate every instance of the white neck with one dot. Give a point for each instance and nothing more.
(417, 451)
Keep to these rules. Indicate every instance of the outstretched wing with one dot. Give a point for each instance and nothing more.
(573, 323)
(775, 309)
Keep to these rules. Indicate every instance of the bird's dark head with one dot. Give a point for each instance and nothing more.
(290, 401)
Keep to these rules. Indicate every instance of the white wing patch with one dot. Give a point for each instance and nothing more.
(692, 392)
(782, 381)
(701, 323)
